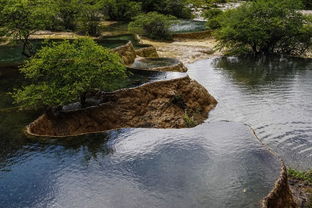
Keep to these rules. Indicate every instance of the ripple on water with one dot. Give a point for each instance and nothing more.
(274, 97)
(217, 164)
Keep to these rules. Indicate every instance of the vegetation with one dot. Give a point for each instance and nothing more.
(153, 25)
(22, 18)
(212, 16)
(61, 73)
(189, 120)
(123, 10)
(266, 27)
(301, 175)
(177, 8)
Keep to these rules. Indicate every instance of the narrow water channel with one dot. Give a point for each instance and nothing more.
(273, 95)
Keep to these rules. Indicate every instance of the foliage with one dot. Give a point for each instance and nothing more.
(307, 4)
(212, 16)
(89, 17)
(21, 18)
(61, 73)
(153, 25)
(301, 175)
(189, 120)
(266, 26)
(121, 9)
(69, 11)
(177, 8)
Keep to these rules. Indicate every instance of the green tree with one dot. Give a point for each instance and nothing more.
(69, 10)
(62, 73)
(123, 10)
(177, 8)
(266, 27)
(89, 17)
(153, 25)
(212, 18)
(22, 18)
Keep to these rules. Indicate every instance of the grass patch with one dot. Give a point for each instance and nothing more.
(189, 120)
(301, 175)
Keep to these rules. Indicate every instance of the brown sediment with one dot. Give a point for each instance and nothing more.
(149, 52)
(160, 104)
(186, 50)
(193, 35)
(302, 192)
(126, 52)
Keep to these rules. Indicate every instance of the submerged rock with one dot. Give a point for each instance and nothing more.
(159, 64)
(164, 104)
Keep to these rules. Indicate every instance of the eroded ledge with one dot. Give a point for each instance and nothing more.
(163, 104)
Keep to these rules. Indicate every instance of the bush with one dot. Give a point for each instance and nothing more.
(212, 16)
(123, 10)
(153, 25)
(177, 8)
(266, 27)
(62, 73)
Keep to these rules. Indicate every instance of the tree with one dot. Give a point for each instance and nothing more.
(266, 27)
(62, 73)
(22, 18)
(153, 25)
(68, 12)
(123, 10)
(89, 17)
(177, 8)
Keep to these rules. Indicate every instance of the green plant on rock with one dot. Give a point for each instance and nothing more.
(301, 175)
(62, 73)
(153, 25)
(266, 27)
(189, 120)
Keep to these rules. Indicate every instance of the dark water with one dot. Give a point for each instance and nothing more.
(274, 96)
(188, 26)
(201, 167)
(12, 54)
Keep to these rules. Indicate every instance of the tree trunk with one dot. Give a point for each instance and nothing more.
(28, 50)
(83, 98)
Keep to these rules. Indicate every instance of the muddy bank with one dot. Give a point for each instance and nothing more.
(164, 104)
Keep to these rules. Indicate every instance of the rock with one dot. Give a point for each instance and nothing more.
(150, 105)
(148, 52)
(126, 52)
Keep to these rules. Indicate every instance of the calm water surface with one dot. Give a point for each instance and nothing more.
(273, 95)
(216, 165)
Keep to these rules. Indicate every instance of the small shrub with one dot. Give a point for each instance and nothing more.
(153, 25)
(189, 120)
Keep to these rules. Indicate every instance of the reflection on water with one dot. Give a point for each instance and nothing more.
(201, 167)
(183, 26)
(273, 95)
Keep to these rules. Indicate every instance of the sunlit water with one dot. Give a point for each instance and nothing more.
(273, 95)
(183, 26)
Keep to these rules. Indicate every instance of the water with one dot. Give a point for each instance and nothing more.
(217, 164)
(12, 54)
(188, 26)
(200, 167)
(149, 63)
(274, 96)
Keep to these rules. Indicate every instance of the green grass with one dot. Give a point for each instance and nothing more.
(301, 175)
